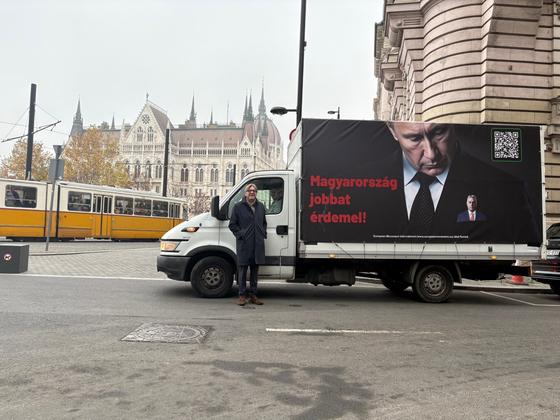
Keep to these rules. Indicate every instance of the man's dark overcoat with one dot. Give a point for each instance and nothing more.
(249, 230)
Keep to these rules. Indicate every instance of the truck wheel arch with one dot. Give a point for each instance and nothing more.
(210, 251)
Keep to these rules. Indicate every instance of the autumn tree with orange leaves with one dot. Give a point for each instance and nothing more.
(13, 166)
(93, 158)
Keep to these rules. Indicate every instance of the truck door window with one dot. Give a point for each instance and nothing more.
(267, 190)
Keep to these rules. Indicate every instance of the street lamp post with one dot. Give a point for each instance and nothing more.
(337, 112)
(301, 54)
(280, 110)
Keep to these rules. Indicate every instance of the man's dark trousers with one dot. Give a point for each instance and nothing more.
(242, 279)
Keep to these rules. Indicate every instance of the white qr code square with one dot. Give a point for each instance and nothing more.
(506, 145)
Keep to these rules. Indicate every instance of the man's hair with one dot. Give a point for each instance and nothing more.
(473, 197)
(249, 186)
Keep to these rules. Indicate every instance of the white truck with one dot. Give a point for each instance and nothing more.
(348, 206)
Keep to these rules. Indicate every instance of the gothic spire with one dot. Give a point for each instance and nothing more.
(78, 123)
(192, 117)
(191, 122)
(250, 116)
(262, 107)
(245, 110)
(212, 116)
(113, 123)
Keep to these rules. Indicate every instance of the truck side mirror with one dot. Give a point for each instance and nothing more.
(215, 207)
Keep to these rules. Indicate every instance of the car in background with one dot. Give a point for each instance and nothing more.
(548, 270)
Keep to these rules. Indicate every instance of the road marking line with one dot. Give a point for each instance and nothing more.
(329, 331)
(521, 301)
(83, 277)
(54, 253)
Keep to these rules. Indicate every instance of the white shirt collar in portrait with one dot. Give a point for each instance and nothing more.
(411, 187)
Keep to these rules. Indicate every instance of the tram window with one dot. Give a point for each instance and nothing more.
(142, 207)
(79, 201)
(123, 205)
(160, 208)
(18, 196)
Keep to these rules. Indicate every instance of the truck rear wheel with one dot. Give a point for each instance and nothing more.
(555, 287)
(433, 284)
(212, 277)
(394, 286)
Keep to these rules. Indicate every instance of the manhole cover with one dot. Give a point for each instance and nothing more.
(165, 333)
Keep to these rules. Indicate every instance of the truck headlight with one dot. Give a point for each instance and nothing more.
(168, 245)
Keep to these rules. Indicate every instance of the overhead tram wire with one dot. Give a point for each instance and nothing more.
(17, 123)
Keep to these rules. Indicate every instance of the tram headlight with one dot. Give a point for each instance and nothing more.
(190, 229)
(168, 246)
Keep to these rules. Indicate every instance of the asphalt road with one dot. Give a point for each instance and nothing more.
(308, 353)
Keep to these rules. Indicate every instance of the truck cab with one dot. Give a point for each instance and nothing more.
(202, 250)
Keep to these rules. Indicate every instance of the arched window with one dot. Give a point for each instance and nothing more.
(244, 171)
(148, 170)
(137, 169)
(199, 174)
(229, 173)
(139, 134)
(214, 173)
(150, 134)
(184, 174)
(159, 170)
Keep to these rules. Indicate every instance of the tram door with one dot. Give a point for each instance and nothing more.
(102, 207)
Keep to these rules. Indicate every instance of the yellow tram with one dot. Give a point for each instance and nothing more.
(84, 211)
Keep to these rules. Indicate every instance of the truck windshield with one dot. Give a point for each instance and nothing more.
(553, 231)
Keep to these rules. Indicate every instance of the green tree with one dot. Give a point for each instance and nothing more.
(13, 166)
(93, 158)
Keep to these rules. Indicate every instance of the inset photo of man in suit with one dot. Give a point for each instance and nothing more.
(471, 214)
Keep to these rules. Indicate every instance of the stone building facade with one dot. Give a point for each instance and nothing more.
(474, 61)
(204, 160)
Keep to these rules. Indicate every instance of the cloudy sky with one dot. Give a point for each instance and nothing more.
(110, 53)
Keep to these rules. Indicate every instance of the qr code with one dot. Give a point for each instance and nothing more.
(506, 145)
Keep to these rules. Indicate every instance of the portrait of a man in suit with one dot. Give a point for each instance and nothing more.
(472, 214)
(410, 181)
(435, 175)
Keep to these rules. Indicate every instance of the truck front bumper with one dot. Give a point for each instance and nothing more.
(174, 267)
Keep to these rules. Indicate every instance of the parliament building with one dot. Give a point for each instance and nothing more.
(203, 159)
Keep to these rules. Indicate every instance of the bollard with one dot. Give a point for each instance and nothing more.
(14, 258)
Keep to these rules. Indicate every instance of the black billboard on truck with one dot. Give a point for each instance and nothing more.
(376, 181)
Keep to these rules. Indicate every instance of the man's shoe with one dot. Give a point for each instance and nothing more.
(255, 300)
(242, 301)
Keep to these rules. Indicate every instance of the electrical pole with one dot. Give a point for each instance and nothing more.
(165, 162)
(30, 129)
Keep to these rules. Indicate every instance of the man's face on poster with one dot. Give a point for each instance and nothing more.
(428, 147)
(471, 203)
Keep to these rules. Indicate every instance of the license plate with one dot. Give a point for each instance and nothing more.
(552, 252)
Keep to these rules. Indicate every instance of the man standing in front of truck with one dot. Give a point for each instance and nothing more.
(248, 224)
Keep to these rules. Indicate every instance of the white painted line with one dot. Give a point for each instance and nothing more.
(329, 331)
(83, 277)
(522, 301)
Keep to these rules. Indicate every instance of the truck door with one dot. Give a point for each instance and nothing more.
(273, 192)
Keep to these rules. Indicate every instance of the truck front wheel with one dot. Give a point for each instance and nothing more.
(212, 277)
(433, 284)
